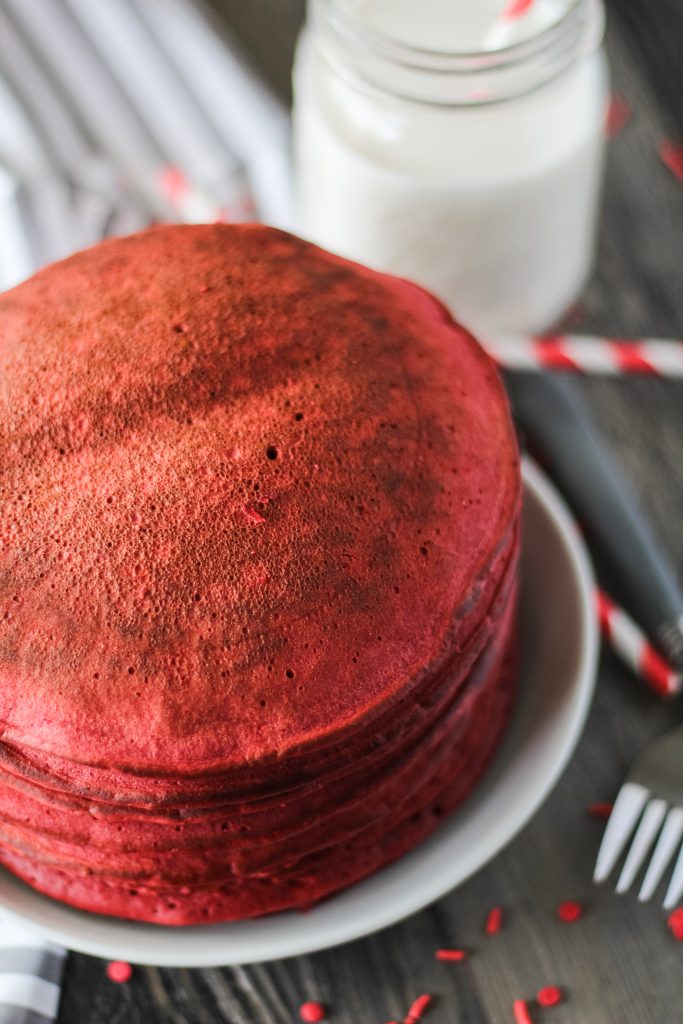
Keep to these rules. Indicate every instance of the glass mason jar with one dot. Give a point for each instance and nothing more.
(476, 174)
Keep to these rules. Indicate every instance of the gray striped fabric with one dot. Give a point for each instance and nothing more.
(112, 115)
(22, 1015)
(117, 113)
(30, 976)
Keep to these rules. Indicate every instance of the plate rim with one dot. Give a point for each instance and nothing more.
(87, 933)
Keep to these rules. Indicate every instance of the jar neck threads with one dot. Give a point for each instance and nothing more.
(376, 62)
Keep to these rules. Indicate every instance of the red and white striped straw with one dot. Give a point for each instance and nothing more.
(505, 25)
(190, 205)
(611, 357)
(633, 647)
(516, 8)
(518, 20)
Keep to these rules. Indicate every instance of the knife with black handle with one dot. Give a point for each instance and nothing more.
(559, 429)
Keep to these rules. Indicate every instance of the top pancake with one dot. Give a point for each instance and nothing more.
(251, 494)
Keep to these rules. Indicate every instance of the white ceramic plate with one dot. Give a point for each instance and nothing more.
(560, 648)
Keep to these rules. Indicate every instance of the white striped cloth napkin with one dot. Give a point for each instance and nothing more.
(30, 976)
(115, 114)
(112, 115)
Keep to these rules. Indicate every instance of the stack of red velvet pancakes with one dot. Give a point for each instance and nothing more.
(258, 550)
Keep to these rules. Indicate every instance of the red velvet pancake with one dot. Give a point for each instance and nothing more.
(257, 572)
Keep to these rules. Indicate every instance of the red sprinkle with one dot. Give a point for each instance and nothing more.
(675, 922)
(569, 911)
(451, 954)
(618, 113)
(494, 921)
(119, 971)
(416, 1011)
(549, 995)
(671, 154)
(600, 810)
(312, 1012)
(520, 1009)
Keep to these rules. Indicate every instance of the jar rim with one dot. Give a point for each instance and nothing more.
(447, 77)
(463, 61)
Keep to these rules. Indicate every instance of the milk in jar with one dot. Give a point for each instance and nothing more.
(458, 145)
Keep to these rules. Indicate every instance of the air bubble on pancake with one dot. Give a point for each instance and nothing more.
(289, 673)
(271, 452)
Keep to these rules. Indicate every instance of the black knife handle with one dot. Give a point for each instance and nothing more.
(559, 428)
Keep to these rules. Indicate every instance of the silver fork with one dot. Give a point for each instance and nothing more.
(652, 799)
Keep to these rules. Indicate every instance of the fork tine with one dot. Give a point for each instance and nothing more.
(675, 890)
(622, 821)
(650, 825)
(667, 844)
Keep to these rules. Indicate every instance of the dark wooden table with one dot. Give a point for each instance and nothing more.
(619, 964)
